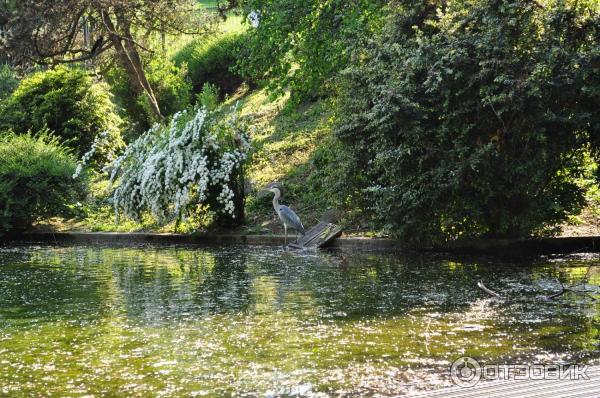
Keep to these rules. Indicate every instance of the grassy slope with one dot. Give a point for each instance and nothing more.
(284, 142)
(285, 146)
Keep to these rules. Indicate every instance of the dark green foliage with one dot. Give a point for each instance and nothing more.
(35, 180)
(171, 90)
(302, 45)
(208, 97)
(170, 87)
(474, 121)
(212, 61)
(8, 81)
(70, 104)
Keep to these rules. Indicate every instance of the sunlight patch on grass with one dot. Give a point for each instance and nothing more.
(283, 139)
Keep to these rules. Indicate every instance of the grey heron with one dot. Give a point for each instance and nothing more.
(286, 215)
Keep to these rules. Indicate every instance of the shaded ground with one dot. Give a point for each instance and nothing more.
(587, 224)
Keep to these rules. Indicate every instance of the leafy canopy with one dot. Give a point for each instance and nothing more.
(301, 44)
(61, 31)
(8, 81)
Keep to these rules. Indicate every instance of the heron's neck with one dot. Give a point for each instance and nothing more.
(276, 201)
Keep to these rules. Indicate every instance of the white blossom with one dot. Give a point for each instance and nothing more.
(100, 141)
(170, 169)
(254, 19)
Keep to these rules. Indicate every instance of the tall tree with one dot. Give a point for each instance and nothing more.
(302, 44)
(59, 31)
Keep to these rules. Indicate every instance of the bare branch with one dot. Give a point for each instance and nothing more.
(562, 291)
(73, 60)
(563, 288)
(488, 291)
(70, 37)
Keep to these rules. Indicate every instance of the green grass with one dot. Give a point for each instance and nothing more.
(209, 3)
(284, 143)
(232, 24)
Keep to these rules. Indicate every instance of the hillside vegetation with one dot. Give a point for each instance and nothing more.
(427, 122)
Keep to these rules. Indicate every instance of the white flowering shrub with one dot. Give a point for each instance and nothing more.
(102, 143)
(172, 170)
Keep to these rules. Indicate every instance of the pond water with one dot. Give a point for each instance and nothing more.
(252, 321)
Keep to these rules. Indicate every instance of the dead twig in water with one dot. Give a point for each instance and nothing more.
(562, 291)
(488, 291)
(583, 280)
(586, 277)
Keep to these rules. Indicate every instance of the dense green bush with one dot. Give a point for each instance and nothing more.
(70, 104)
(173, 92)
(474, 120)
(8, 81)
(213, 61)
(35, 180)
(302, 45)
(171, 88)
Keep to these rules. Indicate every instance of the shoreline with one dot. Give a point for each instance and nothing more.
(554, 245)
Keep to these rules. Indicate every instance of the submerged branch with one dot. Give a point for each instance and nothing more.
(562, 291)
(563, 288)
(488, 291)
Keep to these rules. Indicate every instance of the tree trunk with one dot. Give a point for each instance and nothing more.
(137, 62)
(130, 60)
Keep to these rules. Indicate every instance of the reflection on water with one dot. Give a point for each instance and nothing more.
(176, 321)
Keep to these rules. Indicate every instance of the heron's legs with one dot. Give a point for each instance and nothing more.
(285, 239)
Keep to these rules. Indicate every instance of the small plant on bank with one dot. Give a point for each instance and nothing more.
(209, 96)
(177, 170)
(213, 61)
